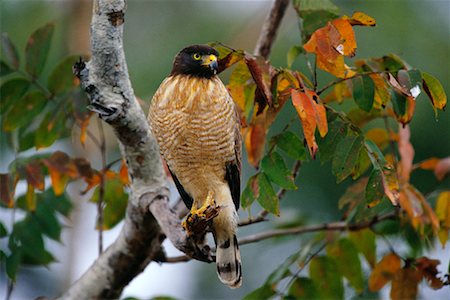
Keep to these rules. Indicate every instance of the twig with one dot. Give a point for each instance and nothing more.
(335, 226)
(263, 213)
(270, 28)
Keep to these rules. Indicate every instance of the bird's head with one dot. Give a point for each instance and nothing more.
(196, 60)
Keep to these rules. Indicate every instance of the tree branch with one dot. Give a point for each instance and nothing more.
(335, 226)
(148, 219)
(270, 28)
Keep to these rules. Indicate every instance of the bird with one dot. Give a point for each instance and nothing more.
(196, 124)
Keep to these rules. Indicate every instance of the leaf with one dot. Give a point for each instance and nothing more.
(411, 80)
(61, 169)
(227, 55)
(261, 70)
(9, 52)
(242, 89)
(255, 139)
(443, 209)
(250, 192)
(263, 292)
(24, 110)
(11, 91)
(382, 94)
(312, 116)
(361, 19)
(37, 49)
(326, 277)
(34, 175)
(379, 136)
(404, 284)
(428, 269)
(50, 129)
(5, 69)
(327, 146)
(433, 88)
(115, 200)
(388, 173)
(406, 152)
(303, 288)
(442, 168)
(282, 271)
(267, 197)
(7, 188)
(292, 54)
(384, 271)
(45, 218)
(363, 92)
(61, 79)
(290, 144)
(12, 264)
(3, 231)
(365, 242)
(346, 155)
(274, 167)
(345, 255)
(374, 188)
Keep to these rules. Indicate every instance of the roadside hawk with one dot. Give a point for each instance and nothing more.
(196, 124)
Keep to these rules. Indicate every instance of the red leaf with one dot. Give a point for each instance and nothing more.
(34, 176)
(261, 71)
(404, 284)
(428, 268)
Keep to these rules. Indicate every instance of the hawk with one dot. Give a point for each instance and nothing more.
(196, 125)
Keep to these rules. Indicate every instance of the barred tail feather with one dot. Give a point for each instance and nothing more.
(228, 261)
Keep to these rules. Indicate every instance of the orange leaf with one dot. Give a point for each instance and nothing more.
(34, 176)
(429, 164)
(442, 168)
(123, 173)
(7, 190)
(337, 67)
(379, 136)
(428, 268)
(255, 139)
(305, 110)
(406, 151)
(384, 271)
(347, 42)
(359, 18)
(404, 284)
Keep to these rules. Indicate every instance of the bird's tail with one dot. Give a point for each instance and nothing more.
(228, 261)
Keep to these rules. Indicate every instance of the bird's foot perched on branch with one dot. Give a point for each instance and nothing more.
(198, 220)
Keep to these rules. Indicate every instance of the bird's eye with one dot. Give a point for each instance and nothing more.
(196, 56)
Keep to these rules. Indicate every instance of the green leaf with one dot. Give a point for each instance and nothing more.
(50, 129)
(60, 203)
(347, 260)
(364, 240)
(45, 218)
(26, 141)
(61, 79)
(290, 144)
(411, 80)
(3, 231)
(263, 292)
(374, 188)
(303, 288)
(5, 69)
(363, 92)
(115, 200)
(274, 167)
(326, 277)
(9, 52)
(433, 88)
(293, 53)
(314, 14)
(249, 195)
(11, 91)
(346, 156)
(282, 271)
(337, 130)
(37, 49)
(362, 164)
(267, 197)
(27, 237)
(12, 264)
(25, 110)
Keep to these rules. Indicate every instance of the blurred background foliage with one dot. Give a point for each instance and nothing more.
(155, 31)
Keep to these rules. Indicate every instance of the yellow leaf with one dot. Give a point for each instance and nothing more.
(384, 271)
(379, 136)
(443, 209)
(360, 18)
(382, 95)
(404, 284)
(30, 197)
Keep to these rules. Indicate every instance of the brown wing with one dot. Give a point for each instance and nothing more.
(233, 168)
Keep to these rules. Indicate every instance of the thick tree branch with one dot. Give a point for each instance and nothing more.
(270, 28)
(106, 81)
